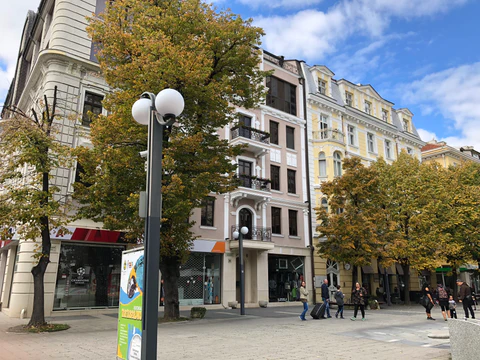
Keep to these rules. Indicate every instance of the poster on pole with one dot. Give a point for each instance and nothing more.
(129, 344)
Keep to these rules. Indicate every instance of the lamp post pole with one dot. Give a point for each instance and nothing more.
(145, 111)
(239, 235)
(242, 274)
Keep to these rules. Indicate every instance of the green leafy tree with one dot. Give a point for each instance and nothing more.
(30, 203)
(461, 215)
(209, 57)
(411, 199)
(349, 226)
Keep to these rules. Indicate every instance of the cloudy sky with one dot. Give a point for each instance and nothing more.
(420, 54)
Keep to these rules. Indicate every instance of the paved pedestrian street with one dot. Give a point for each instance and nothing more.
(272, 333)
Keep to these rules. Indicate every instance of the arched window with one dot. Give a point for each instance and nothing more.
(337, 163)
(322, 164)
(325, 204)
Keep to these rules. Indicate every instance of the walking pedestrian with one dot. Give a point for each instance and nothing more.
(339, 296)
(474, 298)
(465, 297)
(303, 299)
(358, 296)
(326, 298)
(442, 296)
(429, 304)
(452, 305)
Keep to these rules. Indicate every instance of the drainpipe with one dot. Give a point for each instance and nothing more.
(309, 199)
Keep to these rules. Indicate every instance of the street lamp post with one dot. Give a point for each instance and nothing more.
(239, 235)
(156, 112)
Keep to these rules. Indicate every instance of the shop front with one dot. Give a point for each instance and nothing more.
(285, 275)
(88, 273)
(88, 276)
(201, 275)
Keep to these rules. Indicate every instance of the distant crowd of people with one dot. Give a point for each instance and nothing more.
(444, 297)
(431, 297)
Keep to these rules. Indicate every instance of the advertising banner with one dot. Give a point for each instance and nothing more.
(129, 346)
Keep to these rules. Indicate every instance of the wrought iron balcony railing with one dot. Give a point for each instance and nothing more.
(329, 134)
(250, 133)
(255, 233)
(253, 182)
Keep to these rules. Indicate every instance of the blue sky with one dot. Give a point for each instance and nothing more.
(419, 54)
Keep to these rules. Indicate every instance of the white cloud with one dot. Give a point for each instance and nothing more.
(427, 135)
(354, 66)
(312, 34)
(12, 20)
(455, 93)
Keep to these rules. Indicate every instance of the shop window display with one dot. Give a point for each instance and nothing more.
(285, 275)
(88, 276)
(199, 281)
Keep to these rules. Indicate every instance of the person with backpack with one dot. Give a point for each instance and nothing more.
(442, 296)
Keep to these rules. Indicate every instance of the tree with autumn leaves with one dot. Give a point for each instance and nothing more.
(418, 215)
(211, 59)
(31, 203)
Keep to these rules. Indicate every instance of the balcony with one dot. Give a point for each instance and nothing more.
(329, 135)
(257, 141)
(257, 238)
(251, 187)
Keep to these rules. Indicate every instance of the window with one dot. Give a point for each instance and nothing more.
(92, 103)
(325, 204)
(322, 165)
(388, 149)
(368, 107)
(384, 115)
(273, 132)
(292, 187)
(290, 137)
(409, 151)
(276, 220)
(292, 222)
(348, 98)
(245, 123)
(281, 95)
(208, 207)
(337, 163)
(275, 177)
(406, 124)
(322, 87)
(371, 142)
(351, 135)
(323, 127)
(79, 175)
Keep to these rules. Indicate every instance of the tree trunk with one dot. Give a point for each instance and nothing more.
(455, 287)
(354, 277)
(38, 272)
(406, 290)
(170, 268)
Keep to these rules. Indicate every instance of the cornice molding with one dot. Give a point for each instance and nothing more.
(267, 110)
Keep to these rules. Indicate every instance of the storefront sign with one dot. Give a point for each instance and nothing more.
(130, 307)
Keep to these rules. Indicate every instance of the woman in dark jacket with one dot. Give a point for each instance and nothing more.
(430, 304)
(358, 297)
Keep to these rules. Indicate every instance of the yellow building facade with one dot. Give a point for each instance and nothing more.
(344, 120)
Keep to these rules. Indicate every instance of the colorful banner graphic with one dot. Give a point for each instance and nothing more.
(130, 307)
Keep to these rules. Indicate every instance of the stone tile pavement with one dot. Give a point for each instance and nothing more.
(272, 333)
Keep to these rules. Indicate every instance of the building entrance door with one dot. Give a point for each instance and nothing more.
(245, 219)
